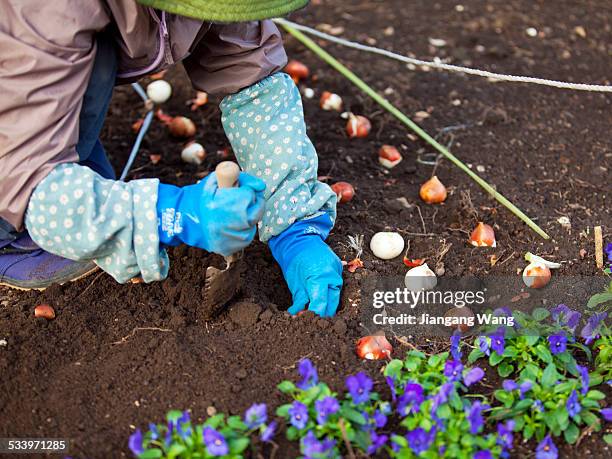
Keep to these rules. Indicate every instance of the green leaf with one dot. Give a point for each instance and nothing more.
(495, 358)
(401, 441)
(543, 353)
(238, 445)
(283, 410)
(523, 405)
(562, 417)
(599, 298)
(608, 439)
(175, 450)
(214, 421)
(352, 415)
(394, 368)
(292, 434)
(286, 387)
(550, 376)
(595, 379)
(589, 418)
(475, 355)
(236, 423)
(531, 339)
(571, 433)
(150, 454)
(505, 369)
(173, 415)
(444, 412)
(595, 395)
(540, 314)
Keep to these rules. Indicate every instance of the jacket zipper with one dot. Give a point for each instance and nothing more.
(161, 52)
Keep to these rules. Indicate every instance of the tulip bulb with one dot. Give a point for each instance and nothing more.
(433, 191)
(358, 126)
(181, 126)
(387, 245)
(297, 71)
(420, 278)
(44, 311)
(159, 91)
(331, 101)
(536, 275)
(483, 236)
(193, 153)
(374, 348)
(389, 156)
(344, 191)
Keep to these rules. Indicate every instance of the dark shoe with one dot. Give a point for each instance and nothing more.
(25, 266)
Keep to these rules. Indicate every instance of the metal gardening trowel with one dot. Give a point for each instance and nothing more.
(221, 285)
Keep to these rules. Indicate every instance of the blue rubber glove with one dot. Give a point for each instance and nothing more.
(219, 220)
(312, 270)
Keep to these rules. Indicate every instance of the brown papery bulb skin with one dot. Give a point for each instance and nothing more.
(344, 191)
(536, 275)
(374, 348)
(483, 236)
(433, 191)
(44, 311)
(182, 127)
(358, 126)
(297, 71)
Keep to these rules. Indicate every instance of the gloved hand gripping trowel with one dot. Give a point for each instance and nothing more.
(221, 285)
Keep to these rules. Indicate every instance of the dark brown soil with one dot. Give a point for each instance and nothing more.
(119, 356)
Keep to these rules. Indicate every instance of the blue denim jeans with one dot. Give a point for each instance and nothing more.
(93, 112)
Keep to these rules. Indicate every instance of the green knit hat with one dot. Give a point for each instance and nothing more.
(227, 10)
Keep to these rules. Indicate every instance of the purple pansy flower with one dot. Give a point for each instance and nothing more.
(135, 443)
(256, 415)
(473, 376)
(498, 343)
(313, 448)
(590, 330)
(455, 343)
(584, 379)
(607, 414)
(573, 404)
(376, 442)
(359, 386)
(538, 406)
(474, 416)
(525, 387)
(215, 442)
(380, 420)
(558, 343)
(154, 431)
(484, 454)
(325, 408)
(183, 426)
(419, 440)
(391, 383)
(442, 396)
(410, 401)
(505, 436)
(453, 369)
(483, 345)
(169, 431)
(268, 433)
(309, 374)
(509, 385)
(565, 316)
(546, 449)
(298, 415)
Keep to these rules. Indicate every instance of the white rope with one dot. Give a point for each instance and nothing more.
(450, 67)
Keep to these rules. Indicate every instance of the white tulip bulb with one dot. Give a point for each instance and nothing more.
(159, 91)
(193, 153)
(387, 245)
(420, 278)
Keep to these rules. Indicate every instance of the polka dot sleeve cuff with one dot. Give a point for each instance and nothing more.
(265, 125)
(77, 214)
